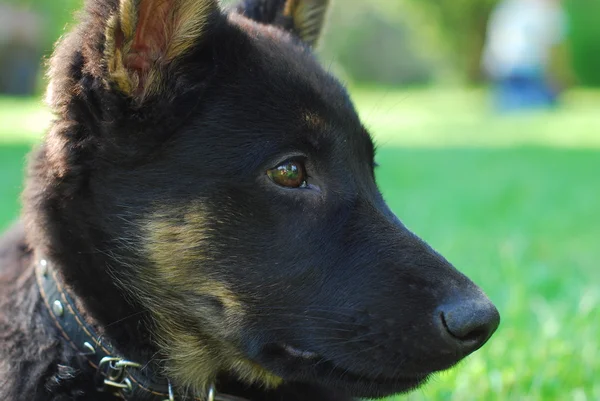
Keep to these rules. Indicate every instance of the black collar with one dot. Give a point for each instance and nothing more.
(114, 373)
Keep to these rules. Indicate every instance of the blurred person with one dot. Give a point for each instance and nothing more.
(21, 37)
(523, 38)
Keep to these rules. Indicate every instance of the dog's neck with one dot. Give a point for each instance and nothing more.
(59, 230)
(114, 372)
(141, 371)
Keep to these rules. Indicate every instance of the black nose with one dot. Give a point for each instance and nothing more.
(468, 323)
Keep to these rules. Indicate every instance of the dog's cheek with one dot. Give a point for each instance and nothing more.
(177, 243)
(198, 317)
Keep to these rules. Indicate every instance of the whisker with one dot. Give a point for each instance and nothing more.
(123, 319)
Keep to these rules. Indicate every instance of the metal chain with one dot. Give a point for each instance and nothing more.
(112, 372)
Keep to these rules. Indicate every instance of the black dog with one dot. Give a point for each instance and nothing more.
(202, 222)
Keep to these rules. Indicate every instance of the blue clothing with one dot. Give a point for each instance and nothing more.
(521, 92)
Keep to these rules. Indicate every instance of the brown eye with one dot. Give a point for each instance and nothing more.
(290, 174)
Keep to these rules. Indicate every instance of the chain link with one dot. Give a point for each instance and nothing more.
(112, 374)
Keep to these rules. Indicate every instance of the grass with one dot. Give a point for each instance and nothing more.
(21, 120)
(514, 202)
(522, 223)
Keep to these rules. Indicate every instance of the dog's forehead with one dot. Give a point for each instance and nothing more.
(309, 95)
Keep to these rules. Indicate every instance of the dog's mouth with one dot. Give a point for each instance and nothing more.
(297, 364)
(298, 353)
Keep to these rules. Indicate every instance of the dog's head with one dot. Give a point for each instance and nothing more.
(228, 182)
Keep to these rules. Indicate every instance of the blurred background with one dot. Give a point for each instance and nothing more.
(487, 117)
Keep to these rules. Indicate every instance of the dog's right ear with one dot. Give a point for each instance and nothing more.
(142, 36)
(303, 18)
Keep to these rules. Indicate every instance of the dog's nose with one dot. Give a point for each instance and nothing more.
(468, 323)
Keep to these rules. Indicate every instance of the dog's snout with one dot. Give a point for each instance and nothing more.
(468, 323)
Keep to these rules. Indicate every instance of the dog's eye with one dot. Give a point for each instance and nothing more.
(291, 174)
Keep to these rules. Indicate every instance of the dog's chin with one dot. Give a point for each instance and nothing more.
(300, 366)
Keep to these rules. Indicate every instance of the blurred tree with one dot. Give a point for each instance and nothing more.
(585, 39)
(463, 25)
(376, 42)
(373, 41)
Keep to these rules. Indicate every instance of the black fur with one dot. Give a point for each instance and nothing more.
(327, 268)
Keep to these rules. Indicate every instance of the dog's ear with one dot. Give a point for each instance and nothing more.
(304, 18)
(143, 36)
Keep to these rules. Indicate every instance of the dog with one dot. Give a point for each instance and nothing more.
(202, 222)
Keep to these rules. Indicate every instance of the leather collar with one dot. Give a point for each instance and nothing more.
(115, 374)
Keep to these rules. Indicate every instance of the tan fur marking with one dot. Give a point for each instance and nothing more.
(186, 30)
(308, 16)
(114, 58)
(290, 8)
(314, 120)
(196, 364)
(128, 12)
(176, 241)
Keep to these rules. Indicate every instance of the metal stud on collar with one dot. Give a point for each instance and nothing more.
(211, 394)
(90, 350)
(171, 395)
(58, 308)
(44, 267)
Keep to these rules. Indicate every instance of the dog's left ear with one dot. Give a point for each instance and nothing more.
(304, 18)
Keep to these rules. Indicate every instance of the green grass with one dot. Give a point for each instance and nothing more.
(522, 223)
(22, 120)
(12, 160)
(514, 202)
